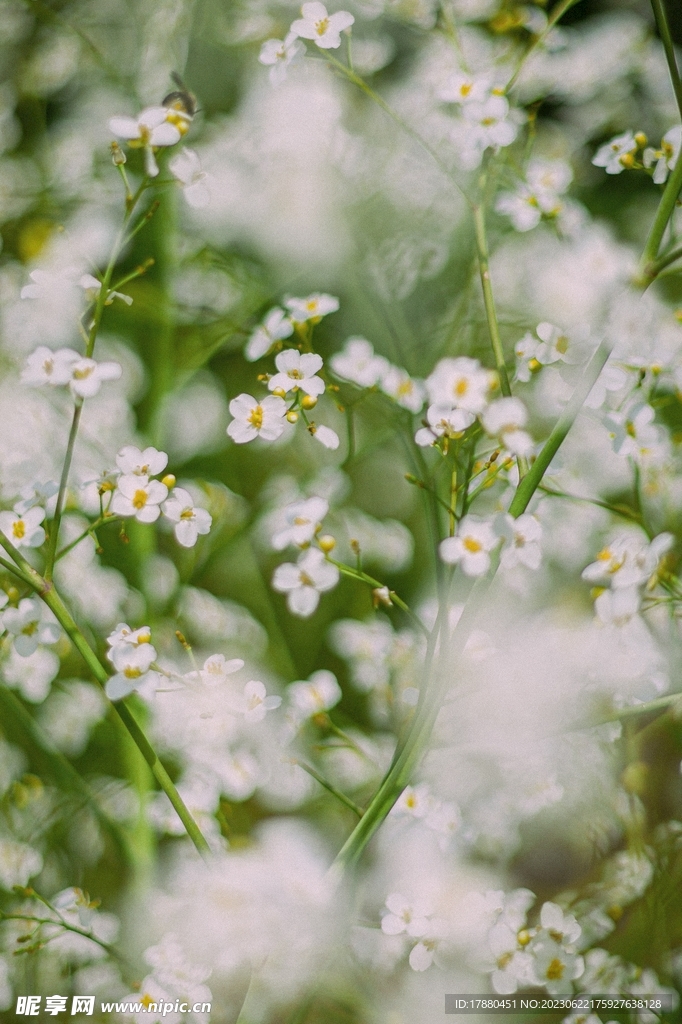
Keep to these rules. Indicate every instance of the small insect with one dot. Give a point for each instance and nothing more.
(181, 99)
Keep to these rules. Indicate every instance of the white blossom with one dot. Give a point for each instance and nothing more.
(323, 28)
(137, 496)
(666, 157)
(256, 419)
(23, 528)
(150, 130)
(190, 520)
(297, 371)
(276, 326)
(87, 376)
(303, 519)
(314, 307)
(186, 167)
(305, 581)
(320, 693)
(45, 366)
(29, 627)
(471, 546)
(150, 462)
(278, 54)
(504, 419)
(614, 156)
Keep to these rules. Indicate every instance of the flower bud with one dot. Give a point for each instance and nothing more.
(641, 139)
(327, 542)
(117, 155)
(381, 596)
(280, 392)
(292, 416)
(308, 402)
(169, 481)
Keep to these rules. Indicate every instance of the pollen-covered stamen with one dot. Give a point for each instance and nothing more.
(139, 499)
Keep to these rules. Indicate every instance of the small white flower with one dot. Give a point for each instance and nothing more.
(325, 435)
(504, 419)
(278, 54)
(359, 364)
(559, 345)
(618, 607)
(18, 863)
(628, 560)
(460, 383)
(186, 167)
(76, 902)
(92, 287)
(522, 541)
(48, 285)
(217, 668)
(277, 325)
(314, 307)
(403, 389)
(132, 664)
(665, 157)
(526, 352)
(303, 519)
(45, 366)
(632, 429)
(462, 89)
(555, 967)
(28, 627)
(320, 693)
(189, 520)
(488, 126)
(38, 493)
(414, 802)
(123, 635)
(256, 419)
(444, 421)
(24, 530)
(150, 462)
(305, 581)
(139, 497)
(405, 917)
(471, 546)
(87, 376)
(254, 703)
(297, 370)
(150, 130)
(323, 28)
(614, 155)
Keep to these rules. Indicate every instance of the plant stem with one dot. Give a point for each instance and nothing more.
(59, 508)
(647, 264)
(488, 301)
(328, 786)
(556, 14)
(669, 47)
(358, 574)
(45, 589)
(533, 478)
(100, 521)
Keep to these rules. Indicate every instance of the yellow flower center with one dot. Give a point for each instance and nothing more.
(146, 1001)
(472, 545)
(461, 387)
(555, 971)
(321, 27)
(84, 373)
(256, 417)
(19, 528)
(504, 960)
(305, 580)
(132, 673)
(465, 89)
(562, 344)
(139, 499)
(295, 374)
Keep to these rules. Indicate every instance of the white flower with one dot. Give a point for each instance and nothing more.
(503, 419)
(444, 421)
(612, 378)
(546, 181)
(320, 693)
(87, 376)
(614, 155)
(297, 370)
(512, 965)
(488, 126)
(150, 462)
(665, 157)
(217, 668)
(92, 287)
(18, 863)
(414, 802)
(471, 546)
(423, 953)
(562, 927)
(325, 435)
(628, 560)
(278, 54)
(132, 664)
(123, 635)
(618, 607)
(190, 520)
(555, 967)
(632, 429)
(256, 419)
(460, 88)
(48, 285)
(152, 993)
(314, 307)
(460, 383)
(526, 352)
(405, 917)
(276, 326)
(26, 624)
(24, 530)
(137, 496)
(403, 389)
(521, 207)
(522, 541)
(359, 364)
(149, 130)
(558, 344)
(186, 167)
(76, 902)
(45, 366)
(303, 519)
(254, 703)
(325, 29)
(305, 581)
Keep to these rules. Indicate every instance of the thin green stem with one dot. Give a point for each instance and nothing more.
(619, 510)
(16, 572)
(488, 300)
(633, 711)
(61, 923)
(664, 261)
(100, 521)
(49, 595)
(345, 800)
(358, 574)
(647, 264)
(59, 507)
(669, 47)
(533, 478)
(556, 14)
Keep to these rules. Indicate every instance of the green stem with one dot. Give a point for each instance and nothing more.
(556, 14)
(16, 572)
(59, 508)
(664, 261)
(61, 923)
(86, 533)
(633, 711)
(669, 47)
(45, 589)
(358, 574)
(488, 301)
(647, 264)
(533, 478)
(329, 787)
(618, 510)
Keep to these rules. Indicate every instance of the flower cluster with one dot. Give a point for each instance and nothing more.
(486, 119)
(540, 196)
(132, 654)
(630, 151)
(628, 564)
(83, 375)
(316, 24)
